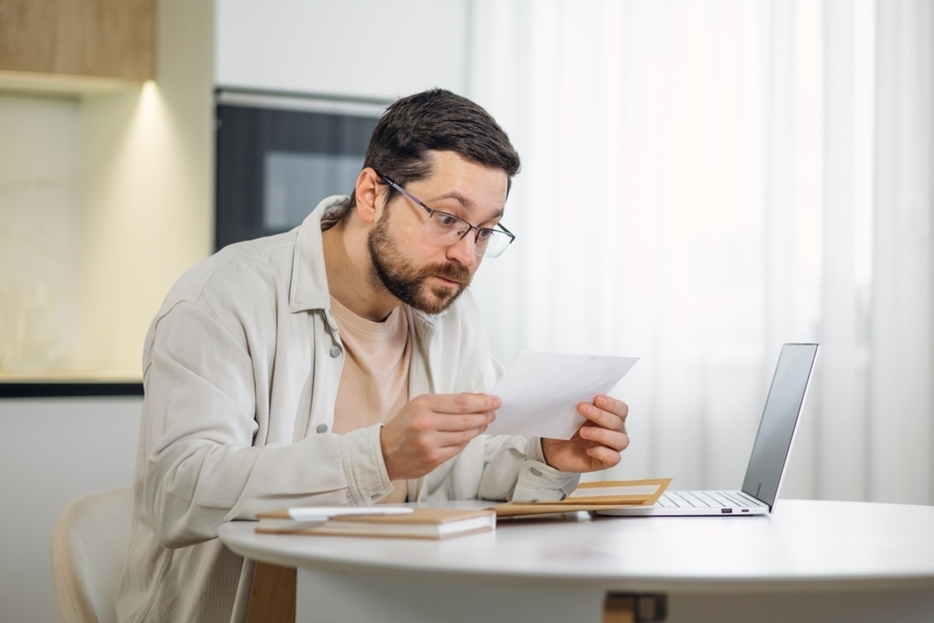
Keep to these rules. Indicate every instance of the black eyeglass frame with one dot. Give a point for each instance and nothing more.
(432, 211)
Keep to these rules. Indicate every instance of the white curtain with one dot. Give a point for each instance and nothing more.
(704, 180)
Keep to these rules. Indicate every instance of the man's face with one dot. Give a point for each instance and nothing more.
(412, 266)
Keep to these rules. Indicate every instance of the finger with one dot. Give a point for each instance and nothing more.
(614, 440)
(605, 455)
(457, 439)
(600, 417)
(614, 406)
(455, 423)
(464, 403)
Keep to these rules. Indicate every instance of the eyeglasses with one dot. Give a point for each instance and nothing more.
(446, 229)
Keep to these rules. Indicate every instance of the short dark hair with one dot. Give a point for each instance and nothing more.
(436, 120)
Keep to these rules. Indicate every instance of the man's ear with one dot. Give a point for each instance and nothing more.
(368, 193)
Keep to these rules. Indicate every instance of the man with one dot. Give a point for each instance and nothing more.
(341, 363)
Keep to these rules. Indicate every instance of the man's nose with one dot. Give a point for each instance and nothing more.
(462, 251)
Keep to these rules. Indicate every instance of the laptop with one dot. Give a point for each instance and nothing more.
(769, 453)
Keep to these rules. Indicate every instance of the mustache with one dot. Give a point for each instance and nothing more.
(460, 274)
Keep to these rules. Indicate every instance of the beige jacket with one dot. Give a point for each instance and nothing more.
(240, 369)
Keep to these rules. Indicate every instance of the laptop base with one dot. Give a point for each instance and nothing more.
(695, 504)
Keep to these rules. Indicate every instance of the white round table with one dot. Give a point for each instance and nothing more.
(808, 561)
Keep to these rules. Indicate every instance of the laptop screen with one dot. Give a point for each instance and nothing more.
(777, 427)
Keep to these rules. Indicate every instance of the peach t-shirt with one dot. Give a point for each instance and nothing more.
(374, 381)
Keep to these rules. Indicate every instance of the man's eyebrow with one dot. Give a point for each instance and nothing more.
(466, 203)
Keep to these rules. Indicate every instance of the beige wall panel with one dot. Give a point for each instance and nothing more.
(146, 190)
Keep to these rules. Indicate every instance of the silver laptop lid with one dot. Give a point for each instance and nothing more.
(779, 420)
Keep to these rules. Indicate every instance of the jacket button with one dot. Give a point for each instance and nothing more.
(322, 428)
(535, 472)
(335, 350)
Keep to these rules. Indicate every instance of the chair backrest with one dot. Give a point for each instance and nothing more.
(89, 546)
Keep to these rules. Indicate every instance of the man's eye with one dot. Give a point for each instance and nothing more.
(446, 219)
(484, 234)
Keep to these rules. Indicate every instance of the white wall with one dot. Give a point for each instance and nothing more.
(362, 48)
(52, 451)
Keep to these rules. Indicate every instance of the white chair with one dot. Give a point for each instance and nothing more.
(89, 545)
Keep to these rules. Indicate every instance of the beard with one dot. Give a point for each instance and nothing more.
(407, 282)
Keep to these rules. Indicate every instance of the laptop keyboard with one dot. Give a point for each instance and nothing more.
(707, 499)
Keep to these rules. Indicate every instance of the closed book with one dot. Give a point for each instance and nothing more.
(421, 523)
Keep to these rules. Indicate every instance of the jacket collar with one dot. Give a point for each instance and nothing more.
(309, 287)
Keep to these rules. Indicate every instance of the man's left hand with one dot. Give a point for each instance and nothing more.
(597, 444)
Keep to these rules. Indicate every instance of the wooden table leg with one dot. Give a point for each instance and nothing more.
(272, 596)
(619, 609)
(629, 608)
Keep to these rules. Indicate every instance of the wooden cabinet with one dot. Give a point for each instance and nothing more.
(96, 38)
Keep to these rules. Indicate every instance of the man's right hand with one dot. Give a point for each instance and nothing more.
(431, 429)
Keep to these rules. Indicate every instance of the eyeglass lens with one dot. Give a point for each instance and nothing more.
(448, 229)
